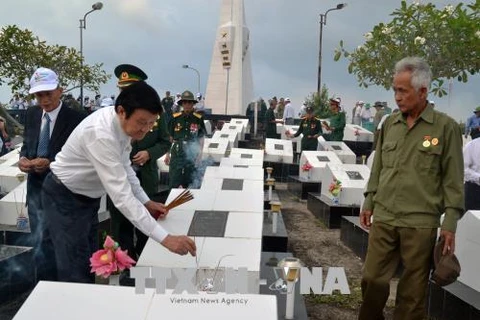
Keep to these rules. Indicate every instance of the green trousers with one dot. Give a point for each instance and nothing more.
(387, 246)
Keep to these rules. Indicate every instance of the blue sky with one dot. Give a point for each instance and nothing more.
(161, 36)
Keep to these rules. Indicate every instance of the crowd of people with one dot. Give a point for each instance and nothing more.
(72, 160)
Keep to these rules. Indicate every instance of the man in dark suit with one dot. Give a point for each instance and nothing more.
(48, 126)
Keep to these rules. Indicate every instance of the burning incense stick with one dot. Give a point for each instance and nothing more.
(183, 197)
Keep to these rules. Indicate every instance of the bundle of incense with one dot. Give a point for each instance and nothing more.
(183, 197)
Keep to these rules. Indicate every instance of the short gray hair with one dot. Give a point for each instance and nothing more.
(421, 73)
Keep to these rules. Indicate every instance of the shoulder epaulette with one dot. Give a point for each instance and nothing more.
(198, 115)
(177, 114)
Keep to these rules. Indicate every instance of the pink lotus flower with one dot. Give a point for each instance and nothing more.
(110, 260)
(307, 166)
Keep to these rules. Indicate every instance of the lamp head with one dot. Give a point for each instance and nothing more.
(290, 268)
(97, 6)
(185, 66)
(341, 6)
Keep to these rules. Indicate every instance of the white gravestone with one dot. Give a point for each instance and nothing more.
(230, 126)
(10, 174)
(13, 204)
(353, 177)
(292, 130)
(250, 173)
(237, 162)
(79, 301)
(467, 249)
(215, 149)
(318, 160)
(353, 132)
(162, 166)
(243, 122)
(277, 150)
(279, 128)
(231, 135)
(341, 149)
(246, 153)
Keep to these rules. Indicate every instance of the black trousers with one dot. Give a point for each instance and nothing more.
(472, 196)
(72, 220)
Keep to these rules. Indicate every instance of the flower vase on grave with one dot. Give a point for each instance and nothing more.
(114, 280)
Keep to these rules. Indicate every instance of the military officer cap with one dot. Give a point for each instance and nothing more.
(477, 109)
(128, 74)
(187, 96)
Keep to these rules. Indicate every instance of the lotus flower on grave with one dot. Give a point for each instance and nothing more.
(110, 260)
(307, 166)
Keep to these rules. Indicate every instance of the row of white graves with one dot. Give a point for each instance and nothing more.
(225, 220)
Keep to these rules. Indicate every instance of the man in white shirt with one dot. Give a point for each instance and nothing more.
(96, 160)
(289, 113)
(357, 113)
(471, 160)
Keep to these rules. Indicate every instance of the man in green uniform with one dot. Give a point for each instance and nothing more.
(167, 104)
(417, 175)
(187, 130)
(144, 157)
(311, 129)
(270, 121)
(337, 122)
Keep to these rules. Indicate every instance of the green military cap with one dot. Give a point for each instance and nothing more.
(128, 74)
(187, 96)
(477, 109)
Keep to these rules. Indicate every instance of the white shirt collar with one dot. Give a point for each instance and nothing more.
(54, 113)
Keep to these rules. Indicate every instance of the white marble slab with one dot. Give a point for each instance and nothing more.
(352, 189)
(240, 121)
(231, 126)
(246, 153)
(246, 253)
(292, 130)
(245, 225)
(341, 149)
(354, 132)
(78, 301)
(240, 162)
(213, 307)
(250, 173)
(216, 183)
(13, 204)
(247, 200)
(467, 249)
(162, 167)
(215, 149)
(208, 126)
(321, 142)
(13, 154)
(203, 199)
(317, 173)
(232, 137)
(280, 128)
(11, 176)
(284, 155)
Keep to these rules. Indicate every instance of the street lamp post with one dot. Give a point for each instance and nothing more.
(186, 66)
(83, 25)
(323, 21)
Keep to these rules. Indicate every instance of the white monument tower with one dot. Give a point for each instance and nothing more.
(230, 84)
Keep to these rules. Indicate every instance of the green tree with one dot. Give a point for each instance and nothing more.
(320, 104)
(21, 53)
(448, 38)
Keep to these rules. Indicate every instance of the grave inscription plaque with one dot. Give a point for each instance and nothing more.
(207, 223)
(232, 184)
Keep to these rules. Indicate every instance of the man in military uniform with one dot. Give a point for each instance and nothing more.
(187, 130)
(167, 104)
(144, 157)
(270, 121)
(337, 122)
(311, 129)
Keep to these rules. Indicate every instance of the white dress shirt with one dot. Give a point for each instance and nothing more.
(288, 112)
(53, 118)
(96, 159)
(471, 160)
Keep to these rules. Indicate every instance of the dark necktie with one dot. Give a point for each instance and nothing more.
(42, 150)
